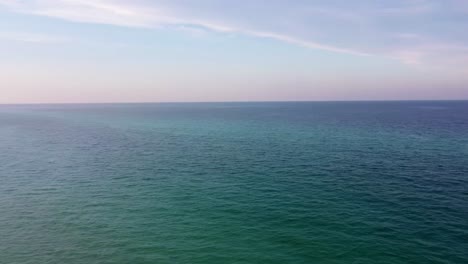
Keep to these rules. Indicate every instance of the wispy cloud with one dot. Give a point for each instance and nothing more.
(303, 43)
(124, 14)
(358, 28)
(418, 8)
(100, 12)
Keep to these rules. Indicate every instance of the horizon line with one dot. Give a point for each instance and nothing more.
(240, 101)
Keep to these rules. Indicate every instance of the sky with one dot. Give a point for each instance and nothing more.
(91, 51)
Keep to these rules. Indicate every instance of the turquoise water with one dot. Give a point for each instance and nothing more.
(356, 182)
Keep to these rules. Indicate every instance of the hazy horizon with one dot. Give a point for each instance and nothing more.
(234, 102)
(112, 51)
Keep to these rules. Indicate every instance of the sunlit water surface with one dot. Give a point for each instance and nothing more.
(348, 182)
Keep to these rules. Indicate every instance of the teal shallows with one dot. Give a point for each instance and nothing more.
(329, 182)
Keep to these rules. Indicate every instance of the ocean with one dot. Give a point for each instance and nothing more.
(279, 182)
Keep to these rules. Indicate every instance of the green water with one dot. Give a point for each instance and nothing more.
(330, 182)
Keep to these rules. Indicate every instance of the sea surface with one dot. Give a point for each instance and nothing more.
(304, 182)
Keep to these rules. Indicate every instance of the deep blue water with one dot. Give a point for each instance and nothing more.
(321, 182)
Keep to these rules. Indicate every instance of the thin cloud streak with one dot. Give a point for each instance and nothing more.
(108, 12)
(361, 28)
(307, 44)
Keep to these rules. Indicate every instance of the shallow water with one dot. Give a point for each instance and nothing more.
(329, 182)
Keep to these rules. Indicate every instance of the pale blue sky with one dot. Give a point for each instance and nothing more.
(255, 50)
